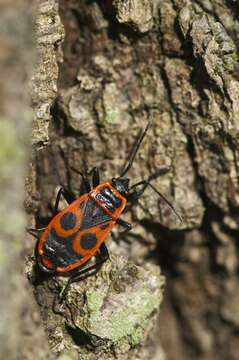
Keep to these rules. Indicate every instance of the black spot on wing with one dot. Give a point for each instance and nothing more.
(88, 241)
(68, 221)
(93, 215)
(59, 249)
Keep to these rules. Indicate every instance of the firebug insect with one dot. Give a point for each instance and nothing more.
(78, 232)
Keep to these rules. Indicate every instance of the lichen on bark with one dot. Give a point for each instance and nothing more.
(106, 314)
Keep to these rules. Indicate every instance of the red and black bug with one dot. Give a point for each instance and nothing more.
(78, 232)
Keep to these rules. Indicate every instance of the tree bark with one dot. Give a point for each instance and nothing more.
(173, 64)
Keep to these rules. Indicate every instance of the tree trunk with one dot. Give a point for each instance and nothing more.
(172, 64)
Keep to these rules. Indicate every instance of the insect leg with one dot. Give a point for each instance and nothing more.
(102, 256)
(35, 232)
(67, 195)
(104, 253)
(125, 224)
(135, 195)
(95, 179)
(95, 176)
(85, 186)
(86, 183)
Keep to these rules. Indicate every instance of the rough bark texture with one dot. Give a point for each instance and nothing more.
(173, 63)
(92, 332)
(106, 315)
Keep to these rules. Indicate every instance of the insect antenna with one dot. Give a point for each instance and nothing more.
(146, 183)
(134, 151)
(167, 202)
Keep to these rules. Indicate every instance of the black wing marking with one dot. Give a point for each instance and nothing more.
(59, 249)
(93, 215)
